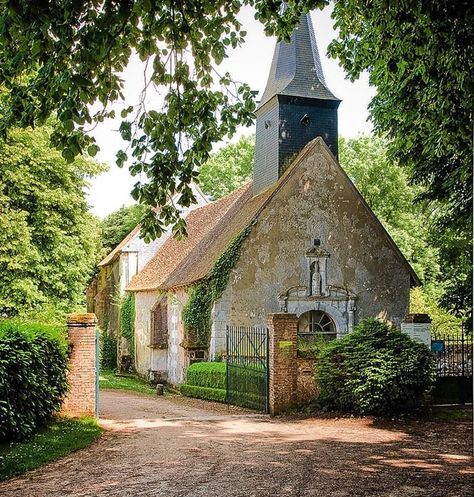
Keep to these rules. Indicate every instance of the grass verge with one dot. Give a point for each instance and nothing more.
(451, 413)
(61, 437)
(108, 379)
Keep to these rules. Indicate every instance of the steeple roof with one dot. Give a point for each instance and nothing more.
(296, 67)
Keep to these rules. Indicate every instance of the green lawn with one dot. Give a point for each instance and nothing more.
(109, 379)
(63, 436)
(454, 413)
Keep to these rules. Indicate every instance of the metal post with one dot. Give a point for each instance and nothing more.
(227, 366)
(97, 372)
(267, 403)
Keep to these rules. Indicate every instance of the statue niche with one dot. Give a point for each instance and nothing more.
(318, 285)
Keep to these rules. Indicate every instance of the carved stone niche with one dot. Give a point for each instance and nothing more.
(318, 271)
(338, 304)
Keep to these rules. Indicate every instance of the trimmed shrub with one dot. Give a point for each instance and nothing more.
(376, 369)
(33, 380)
(207, 374)
(216, 394)
(207, 380)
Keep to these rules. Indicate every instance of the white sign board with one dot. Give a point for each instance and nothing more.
(420, 332)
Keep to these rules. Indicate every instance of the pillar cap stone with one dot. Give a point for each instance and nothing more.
(281, 315)
(82, 318)
(417, 318)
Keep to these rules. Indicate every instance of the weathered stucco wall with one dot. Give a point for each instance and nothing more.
(177, 357)
(317, 200)
(102, 300)
(146, 358)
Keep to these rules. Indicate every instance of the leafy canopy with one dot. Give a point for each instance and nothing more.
(229, 168)
(48, 239)
(419, 58)
(117, 225)
(65, 58)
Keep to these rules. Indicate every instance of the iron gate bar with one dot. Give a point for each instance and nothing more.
(456, 357)
(247, 353)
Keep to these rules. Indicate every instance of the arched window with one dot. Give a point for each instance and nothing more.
(315, 326)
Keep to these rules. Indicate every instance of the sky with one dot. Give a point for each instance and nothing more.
(249, 64)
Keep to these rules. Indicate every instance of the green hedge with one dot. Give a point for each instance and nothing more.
(376, 369)
(33, 381)
(206, 393)
(207, 374)
(207, 380)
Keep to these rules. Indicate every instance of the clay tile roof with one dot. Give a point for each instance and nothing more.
(210, 229)
(118, 249)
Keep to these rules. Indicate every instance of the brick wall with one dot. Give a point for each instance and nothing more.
(81, 398)
(306, 388)
(283, 365)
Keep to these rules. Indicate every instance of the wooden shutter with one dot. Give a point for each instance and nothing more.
(159, 325)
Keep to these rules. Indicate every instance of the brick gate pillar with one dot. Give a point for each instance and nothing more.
(81, 398)
(283, 334)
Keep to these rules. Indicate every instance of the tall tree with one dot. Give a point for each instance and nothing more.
(48, 239)
(117, 225)
(229, 168)
(61, 57)
(419, 58)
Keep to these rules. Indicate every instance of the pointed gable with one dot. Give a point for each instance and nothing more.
(211, 228)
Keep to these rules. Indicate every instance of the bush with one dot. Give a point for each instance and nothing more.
(216, 394)
(376, 369)
(33, 381)
(207, 374)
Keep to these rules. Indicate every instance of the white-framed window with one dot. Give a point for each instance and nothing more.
(316, 325)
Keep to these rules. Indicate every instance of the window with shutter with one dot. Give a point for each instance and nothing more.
(159, 325)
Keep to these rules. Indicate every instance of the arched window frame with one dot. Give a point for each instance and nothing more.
(321, 326)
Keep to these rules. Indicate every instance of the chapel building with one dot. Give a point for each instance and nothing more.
(298, 238)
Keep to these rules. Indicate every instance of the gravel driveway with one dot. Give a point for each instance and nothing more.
(173, 446)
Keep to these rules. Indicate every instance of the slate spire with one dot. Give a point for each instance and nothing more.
(296, 67)
(295, 107)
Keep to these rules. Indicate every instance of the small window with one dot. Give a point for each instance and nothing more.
(159, 325)
(305, 120)
(316, 326)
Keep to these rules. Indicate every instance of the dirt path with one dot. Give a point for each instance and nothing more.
(176, 447)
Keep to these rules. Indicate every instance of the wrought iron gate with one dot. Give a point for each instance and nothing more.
(247, 367)
(453, 355)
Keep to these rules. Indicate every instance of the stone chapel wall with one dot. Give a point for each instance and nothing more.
(317, 201)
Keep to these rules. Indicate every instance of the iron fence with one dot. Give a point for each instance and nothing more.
(453, 354)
